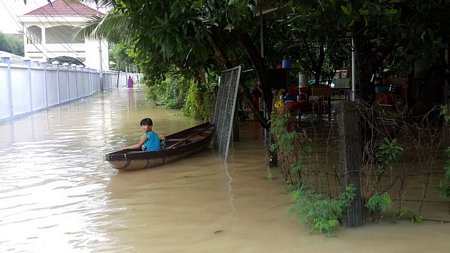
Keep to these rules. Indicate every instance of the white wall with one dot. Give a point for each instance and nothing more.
(25, 88)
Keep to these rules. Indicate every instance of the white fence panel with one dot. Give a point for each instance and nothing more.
(52, 86)
(64, 94)
(95, 80)
(108, 81)
(72, 84)
(38, 89)
(83, 86)
(20, 90)
(4, 92)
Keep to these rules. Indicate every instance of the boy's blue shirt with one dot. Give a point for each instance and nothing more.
(152, 143)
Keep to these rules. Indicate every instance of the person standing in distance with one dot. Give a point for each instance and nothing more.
(130, 82)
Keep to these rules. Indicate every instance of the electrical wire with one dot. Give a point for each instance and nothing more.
(64, 23)
(21, 28)
(65, 43)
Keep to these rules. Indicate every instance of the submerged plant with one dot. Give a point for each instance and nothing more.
(296, 167)
(321, 213)
(277, 129)
(444, 185)
(444, 189)
(407, 214)
(378, 204)
(389, 151)
(307, 149)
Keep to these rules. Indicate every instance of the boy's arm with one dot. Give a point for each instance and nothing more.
(139, 145)
(161, 137)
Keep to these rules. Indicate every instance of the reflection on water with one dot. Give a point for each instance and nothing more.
(58, 195)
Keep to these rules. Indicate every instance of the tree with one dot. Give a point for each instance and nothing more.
(387, 33)
(309, 35)
(121, 55)
(200, 35)
(11, 44)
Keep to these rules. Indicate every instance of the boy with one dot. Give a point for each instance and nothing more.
(150, 141)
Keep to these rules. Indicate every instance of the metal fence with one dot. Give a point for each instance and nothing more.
(30, 87)
(224, 110)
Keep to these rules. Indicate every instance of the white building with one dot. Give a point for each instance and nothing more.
(49, 32)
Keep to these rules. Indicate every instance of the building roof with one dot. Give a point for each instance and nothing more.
(64, 8)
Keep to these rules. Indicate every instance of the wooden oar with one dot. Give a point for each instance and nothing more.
(190, 136)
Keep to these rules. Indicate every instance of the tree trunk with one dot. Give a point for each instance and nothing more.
(222, 58)
(260, 68)
(367, 66)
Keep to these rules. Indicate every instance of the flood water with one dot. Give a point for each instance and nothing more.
(58, 195)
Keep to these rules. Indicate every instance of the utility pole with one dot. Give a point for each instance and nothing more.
(100, 52)
(100, 65)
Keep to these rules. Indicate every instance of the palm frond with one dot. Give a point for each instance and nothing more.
(100, 3)
(49, 1)
(114, 27)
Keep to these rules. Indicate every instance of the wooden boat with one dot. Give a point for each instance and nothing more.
(177, 146)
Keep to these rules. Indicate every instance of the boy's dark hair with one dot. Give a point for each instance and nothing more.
(147, 122)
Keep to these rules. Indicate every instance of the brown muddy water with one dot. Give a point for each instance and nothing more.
(58, 195)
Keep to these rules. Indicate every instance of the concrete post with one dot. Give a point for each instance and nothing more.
(66, 67)
(350, 154)
(75, 70)
(7, 60)
(30, 97)
(43, 65)
(80, 68)
(58, 90)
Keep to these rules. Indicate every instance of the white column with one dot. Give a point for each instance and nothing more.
(30, 97)
(100, 63)
(80, 68)
(58, 90)
(75, 70)
(7, 60)
(25, 40)
(43, 43)
(43, 64)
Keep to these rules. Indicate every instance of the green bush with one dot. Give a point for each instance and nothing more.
(444, 185)
(407, 214)
(321, 213)
(379, 202)
(169, 92)
(284, 139)
(389, 151)
(199, 103)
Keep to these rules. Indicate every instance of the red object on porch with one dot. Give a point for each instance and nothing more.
(385, 98)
